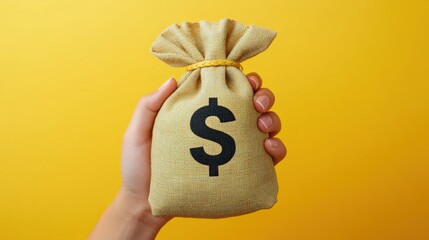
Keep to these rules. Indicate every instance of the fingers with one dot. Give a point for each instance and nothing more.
(254, 80)
(263, 100)
(276, 149)
(269, 123)
(140, 128)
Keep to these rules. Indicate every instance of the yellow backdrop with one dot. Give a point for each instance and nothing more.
(352, 86)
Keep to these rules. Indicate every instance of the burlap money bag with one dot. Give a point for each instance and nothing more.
(208, 157)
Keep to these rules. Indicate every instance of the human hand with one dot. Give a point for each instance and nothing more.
(132, 199)
(130, 216)
(269, 122)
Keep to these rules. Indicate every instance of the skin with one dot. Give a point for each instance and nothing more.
(129, 216)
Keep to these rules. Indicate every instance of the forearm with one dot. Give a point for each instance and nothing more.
(126, 218)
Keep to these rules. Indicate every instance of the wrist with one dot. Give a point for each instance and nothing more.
(128, 217)
(136, 208)
(131, 205)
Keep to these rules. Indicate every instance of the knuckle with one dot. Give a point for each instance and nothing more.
(277, 124)
(143, 101)
(283, 151)
(266, 91)
(271, 95)
(254, 74)
(283, 155)
(146, 102)
(274, 116)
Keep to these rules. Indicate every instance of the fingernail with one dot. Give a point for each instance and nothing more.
(254, 81)
(263, 102)
(165, 84)
(273, 143)
(266, 121)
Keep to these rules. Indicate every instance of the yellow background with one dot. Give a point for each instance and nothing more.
(352, 86)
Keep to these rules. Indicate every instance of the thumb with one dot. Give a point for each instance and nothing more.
(140, 128)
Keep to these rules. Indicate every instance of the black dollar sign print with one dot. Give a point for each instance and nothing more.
(199, 127)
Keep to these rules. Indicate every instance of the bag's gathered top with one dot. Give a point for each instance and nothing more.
(214, 63)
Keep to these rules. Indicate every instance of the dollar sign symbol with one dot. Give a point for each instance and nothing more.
(199, 127)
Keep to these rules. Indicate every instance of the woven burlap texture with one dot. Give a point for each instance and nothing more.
(181, 186)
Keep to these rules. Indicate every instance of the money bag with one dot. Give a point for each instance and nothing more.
(208, 156)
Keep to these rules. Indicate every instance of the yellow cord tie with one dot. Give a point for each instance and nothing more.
(214, 63)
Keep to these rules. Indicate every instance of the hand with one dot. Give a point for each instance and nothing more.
(268, 122)
(131, 206)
